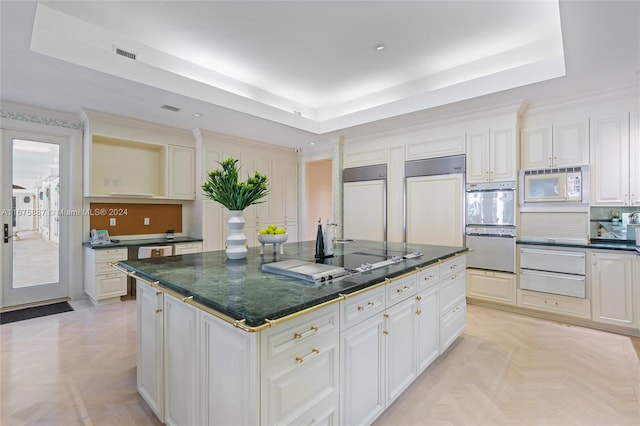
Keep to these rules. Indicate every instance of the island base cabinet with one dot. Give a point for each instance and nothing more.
(399, 333)
(300, 368)
(300, 385)
(149, 347)
(229, 371)
(362, 372)
(427, 328)
(181, 345)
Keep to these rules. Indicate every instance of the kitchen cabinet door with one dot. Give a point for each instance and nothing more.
(614, 289)
(634, 158)
(229, 371)
(362, 372)
(610, 160)
(181, 369)
(435, 210)
(149, 345)
(477, 160)
(492, 286)
(502, 155)
(427, 328)
(400, 352)
(570, 144)
(537, 150)
(181, 174)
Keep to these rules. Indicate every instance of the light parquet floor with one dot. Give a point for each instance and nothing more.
(78, 368)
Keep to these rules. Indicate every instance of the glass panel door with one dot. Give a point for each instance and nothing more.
(32, 229)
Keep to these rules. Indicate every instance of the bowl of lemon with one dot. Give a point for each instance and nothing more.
(272, 234)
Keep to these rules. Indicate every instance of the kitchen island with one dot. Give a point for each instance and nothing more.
(221, 342)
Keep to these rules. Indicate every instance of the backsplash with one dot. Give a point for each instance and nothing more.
(130, 218)
(604, 225)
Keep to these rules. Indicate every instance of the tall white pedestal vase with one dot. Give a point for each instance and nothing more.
(236, 247)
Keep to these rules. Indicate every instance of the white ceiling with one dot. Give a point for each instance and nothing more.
(296, 72)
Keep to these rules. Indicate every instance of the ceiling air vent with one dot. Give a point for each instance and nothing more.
(125, 53)
(170, 108)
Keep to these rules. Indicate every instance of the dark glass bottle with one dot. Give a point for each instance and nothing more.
(319, 242)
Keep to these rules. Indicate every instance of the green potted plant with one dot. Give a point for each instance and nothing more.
(223, 186)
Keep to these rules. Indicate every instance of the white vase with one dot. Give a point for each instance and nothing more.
(236, 247)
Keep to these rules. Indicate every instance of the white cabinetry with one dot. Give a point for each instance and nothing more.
(149, 347)
(560, 145)
(615, 288)
(362, 357)
(614, 172)
(187, 248)
(399, 333)
(103, 283)
(181, 172)
(229, 374)
(491, 155)
(453, 303)
(493, 286)
(300, 368)
(181, 354)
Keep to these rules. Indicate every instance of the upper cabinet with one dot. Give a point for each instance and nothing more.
(181, 172)
(134, 159)
(491, 155)
(558, 145)
(615, 160)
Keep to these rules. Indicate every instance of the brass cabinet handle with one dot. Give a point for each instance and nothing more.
(367, 306)
(300, 359)
(418, 312)
(385, 332)
(418, 297)
(312, 330)
(403, 289)
(158, 311)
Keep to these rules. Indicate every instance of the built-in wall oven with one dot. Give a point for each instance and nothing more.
(491, 225)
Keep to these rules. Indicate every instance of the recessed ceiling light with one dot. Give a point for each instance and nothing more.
(379, 47)
(312, 143)
(197, 114)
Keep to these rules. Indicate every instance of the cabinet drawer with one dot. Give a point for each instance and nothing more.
(103, 268)
(452, 325)
(401, 289)
(553, 303)
(110, 255)
(569, 262)
(452, 291)
(551, 282)
(428, 277)
(323, 414)
(187, 248)
(361, 307)
(300, 383)
(299, 334)
(453, 266)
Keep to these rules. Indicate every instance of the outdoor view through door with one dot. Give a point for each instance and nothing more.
(35, 220)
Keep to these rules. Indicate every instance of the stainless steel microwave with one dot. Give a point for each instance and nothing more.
(568, 185)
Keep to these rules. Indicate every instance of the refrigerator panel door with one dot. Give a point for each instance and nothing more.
(364, 211)
(434, 210)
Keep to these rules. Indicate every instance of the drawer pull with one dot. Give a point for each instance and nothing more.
(547, 303)
(418, 312)
(300, 359)
(158, 293)
(430, 277)
(313, 329)
(158, 311)
(403, 289)
(418, 297)
(385, 332)
(367, 306)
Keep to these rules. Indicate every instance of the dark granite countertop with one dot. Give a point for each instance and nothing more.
(142, 242)
(240, 290)
(600, 243)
